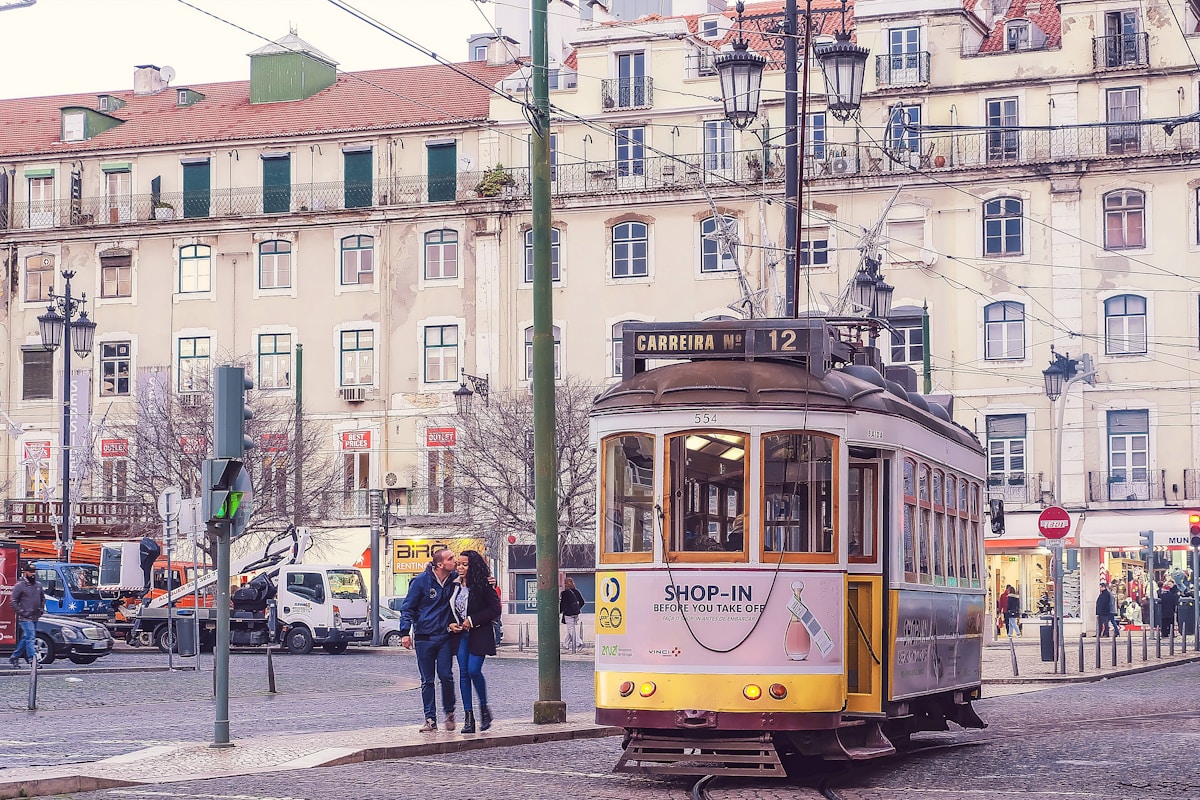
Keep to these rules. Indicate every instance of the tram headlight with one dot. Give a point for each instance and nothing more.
(647, 689)
(777, 691)
(752, 691)
(626, 688)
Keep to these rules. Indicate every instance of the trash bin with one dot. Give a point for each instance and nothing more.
(185, 634)
(1186, 616)
(1047, 642)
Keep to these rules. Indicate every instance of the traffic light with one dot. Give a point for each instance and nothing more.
(1194, 527)
(1146, 543)
(996, 507)
(221, 497)
(230, 414)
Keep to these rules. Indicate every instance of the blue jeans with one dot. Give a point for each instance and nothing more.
(1012, 625)
(470, 671)
(436, 654)
(25, 646)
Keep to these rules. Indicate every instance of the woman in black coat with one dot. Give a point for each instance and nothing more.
(474, 606)
(1168, 601)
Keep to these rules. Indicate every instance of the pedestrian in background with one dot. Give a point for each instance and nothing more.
(1012, 612)
(1106, 613)
(426, 611)
(474, 606)
(1168, 601)
(570, 603)
(28, 602)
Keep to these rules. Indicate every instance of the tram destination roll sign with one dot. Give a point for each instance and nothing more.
(808, 341)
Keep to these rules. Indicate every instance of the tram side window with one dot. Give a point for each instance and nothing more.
(925, 517)
(708, 491)
(628, 494)
(860, 526)
(910, 520)
(941, 567)
(798, 493)
(976, 535)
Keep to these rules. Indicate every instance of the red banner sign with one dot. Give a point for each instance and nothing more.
(356, 440)
(441, 437)
(114, 448)
(274, 442)
(193, 444)
(37, 451)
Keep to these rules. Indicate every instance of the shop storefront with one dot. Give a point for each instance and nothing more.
(1027, 565)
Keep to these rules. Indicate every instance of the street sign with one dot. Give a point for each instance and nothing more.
(1054, 522)
(168, 503)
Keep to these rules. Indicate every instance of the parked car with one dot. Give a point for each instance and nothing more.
(68, 637)
(389, 627)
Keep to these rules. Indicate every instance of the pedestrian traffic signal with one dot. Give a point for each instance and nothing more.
(1146, 543)
(221, 497)
(230, 414)
(1194, 527)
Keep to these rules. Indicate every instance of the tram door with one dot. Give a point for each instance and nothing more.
(864, 587)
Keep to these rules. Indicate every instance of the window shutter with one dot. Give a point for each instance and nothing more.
(1006, 426)
(277, 185)
(442, 170)
(3, 200)
(37, 374)
(196, 187)
(1124, 422)
(357, 174)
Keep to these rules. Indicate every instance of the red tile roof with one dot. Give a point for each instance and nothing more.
(757, 32)
(358, 101)
(1045, 15)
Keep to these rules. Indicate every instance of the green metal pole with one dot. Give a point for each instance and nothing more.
(928, 387)
(298, 448)
(549, 707)
(221, 653)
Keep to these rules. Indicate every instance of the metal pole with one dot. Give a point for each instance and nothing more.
(803, 125)
(298, 449)
(791, 161)
(171, 626)
(549, 707)
(1060, 630)
(1114, 648)
(376, 512)
(1196, 599)
(926, 366)
(67, 529)
(1012, 652)
(221, 655)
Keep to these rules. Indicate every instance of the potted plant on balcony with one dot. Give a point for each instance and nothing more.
(494, 181)
(754, 165)
(164, 210)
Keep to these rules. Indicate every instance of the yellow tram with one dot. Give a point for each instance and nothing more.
(790, 549)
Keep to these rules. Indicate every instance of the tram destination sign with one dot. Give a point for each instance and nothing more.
(808, 341)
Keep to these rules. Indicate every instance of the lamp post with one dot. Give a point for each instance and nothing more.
(66, 322)
(463, 395)
(842, 62)
(1062, 373)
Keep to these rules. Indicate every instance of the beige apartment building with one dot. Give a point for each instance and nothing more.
(1011, 160)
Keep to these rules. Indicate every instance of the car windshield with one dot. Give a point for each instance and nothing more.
(82, 578)
(387, 613)
(347, 584)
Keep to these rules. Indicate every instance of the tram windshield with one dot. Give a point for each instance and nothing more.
(797, 493)
(628, 474)
(708, 490)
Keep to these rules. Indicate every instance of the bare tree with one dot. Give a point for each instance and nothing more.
(172, 435)
(493, 468)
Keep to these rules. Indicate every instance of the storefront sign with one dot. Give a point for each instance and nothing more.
(274, 442)
(193, 445)
(441, 437)
(356, 440)
(36, 451)
(412, 554)
(114, 448)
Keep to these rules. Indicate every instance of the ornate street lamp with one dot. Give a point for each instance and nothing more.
(844, 65)
(463, 395)
(66, 320)
(741, 74)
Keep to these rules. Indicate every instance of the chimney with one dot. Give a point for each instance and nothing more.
(149, 79)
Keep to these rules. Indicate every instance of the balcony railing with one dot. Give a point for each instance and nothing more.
(902, 69)
(91, 516)
(620, 93)
(1123, 51)
(1191, 484)
(1015, 488)
(1128, 486)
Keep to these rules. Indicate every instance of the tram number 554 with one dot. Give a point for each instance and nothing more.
(704, 419)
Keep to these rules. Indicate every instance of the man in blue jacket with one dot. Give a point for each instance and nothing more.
(426, 610)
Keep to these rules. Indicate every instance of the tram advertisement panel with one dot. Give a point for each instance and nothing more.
(727, 620)
(939, 641)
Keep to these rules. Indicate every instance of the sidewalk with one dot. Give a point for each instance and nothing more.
(998, 657)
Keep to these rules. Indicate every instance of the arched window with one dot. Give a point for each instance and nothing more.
(275, 265)
(718, 238)
(630, 250)
(529, 352)
(555, 254)
(1002, 220)
(195, 268)
(358, 260)
(1125, 325)
(441, 254)
(1004, 331)
(1124, 220)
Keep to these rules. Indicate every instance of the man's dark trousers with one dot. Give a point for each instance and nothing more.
(435, 654)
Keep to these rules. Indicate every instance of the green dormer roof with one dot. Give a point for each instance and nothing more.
(289, 69)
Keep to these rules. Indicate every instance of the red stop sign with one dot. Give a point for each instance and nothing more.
(1054, 522)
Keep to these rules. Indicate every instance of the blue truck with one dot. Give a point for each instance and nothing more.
(73, 590)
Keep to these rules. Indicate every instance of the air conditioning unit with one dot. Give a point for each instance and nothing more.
(391, 479)
(190, 400)
(353, 394)
(843, 165)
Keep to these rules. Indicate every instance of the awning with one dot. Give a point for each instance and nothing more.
(1115, 530)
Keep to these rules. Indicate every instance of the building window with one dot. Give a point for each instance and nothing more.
(1006, 445)
(632, 82)
(116, 273)
(906, 238)
(553, 157)
(1004, 330)
(904, 129)
(718, 237)
(116, 478)
(631, 152)
(39, 278)
(1016, 35)
(708, 28)
(908, 338)
(479, 52)
(1002, 227)
(441, 482)
(194, 353)
(275, 265)
(718, 144)
(115, 369)
(555, 255)
(814, 136)
(814, 248)
(1124, 105)
(118, 196)
(275, 361)
(1124, 220)
(41, 202)
(529, 352)
(1003, 140)
(441, 254)
(358, 358)
(37, 374)
(631, 242)
(195, 268)
(904, 48)
(358, 260)
(1125, 325)
(618, 348)
(1121, 39)
(356, 482)
(358, 171)
(1129, 455)
(441, 353)
(277, 184)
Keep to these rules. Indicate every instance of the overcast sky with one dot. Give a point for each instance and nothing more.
(67, 46)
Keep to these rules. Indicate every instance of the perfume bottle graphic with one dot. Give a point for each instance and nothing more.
(803, 630)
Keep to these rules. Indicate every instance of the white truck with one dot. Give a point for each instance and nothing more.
(286, 600)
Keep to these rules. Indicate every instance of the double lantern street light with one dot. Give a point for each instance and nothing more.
(843, 64)
(66, 321)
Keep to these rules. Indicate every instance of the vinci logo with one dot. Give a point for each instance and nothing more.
(674, 652)
(610, 610)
